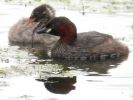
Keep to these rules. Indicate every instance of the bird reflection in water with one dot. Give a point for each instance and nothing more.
(99, 67)
(59, 85)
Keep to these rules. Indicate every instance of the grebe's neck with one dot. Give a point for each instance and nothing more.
(68, 33)
(60, 49)
(69, 39)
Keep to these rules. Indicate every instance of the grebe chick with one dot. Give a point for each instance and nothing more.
(22, 31)
(88, 45)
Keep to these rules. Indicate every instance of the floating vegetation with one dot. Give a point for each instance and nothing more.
(41, 54)
(2, 72)
(15, 71)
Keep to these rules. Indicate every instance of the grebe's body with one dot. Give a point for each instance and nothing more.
(22, 31)
(88, 45)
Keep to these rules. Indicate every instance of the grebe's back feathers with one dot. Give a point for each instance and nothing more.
(91, 39)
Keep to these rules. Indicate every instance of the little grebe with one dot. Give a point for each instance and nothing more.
(22, 31)
(88, 45)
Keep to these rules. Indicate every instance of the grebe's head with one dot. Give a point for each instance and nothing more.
(60, 26)
(41, 12)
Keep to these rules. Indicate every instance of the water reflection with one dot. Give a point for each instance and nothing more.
(59, 85)
(90, 68)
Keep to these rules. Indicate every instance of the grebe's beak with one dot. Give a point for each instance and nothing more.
(44, 30)
(30, 20)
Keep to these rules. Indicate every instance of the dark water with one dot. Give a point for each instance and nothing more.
(23, 75)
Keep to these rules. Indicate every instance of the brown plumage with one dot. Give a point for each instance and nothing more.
(22, 31)
(88, 45)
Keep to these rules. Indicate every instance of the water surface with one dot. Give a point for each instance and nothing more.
(104, 80)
